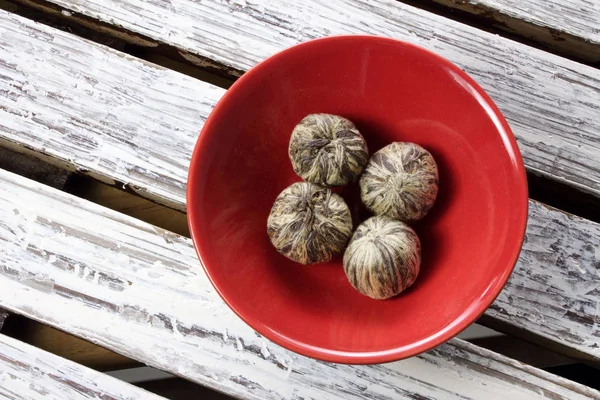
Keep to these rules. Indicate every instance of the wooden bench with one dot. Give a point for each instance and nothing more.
(123, 121)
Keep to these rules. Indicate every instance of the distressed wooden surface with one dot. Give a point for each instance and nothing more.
(572, 27)
(551, 103)
(30, 373)
(96, 111)
(127, 276)
(102, 118)
(554, 290)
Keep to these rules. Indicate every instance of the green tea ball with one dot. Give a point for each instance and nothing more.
(327, 150)
(383, 257)
(400, 181)
(309, 223)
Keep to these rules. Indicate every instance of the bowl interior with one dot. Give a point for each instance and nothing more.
(392, 91)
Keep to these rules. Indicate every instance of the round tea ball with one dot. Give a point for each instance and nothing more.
(309, 223)
(400, 181)
(327, 150)
(383, 257)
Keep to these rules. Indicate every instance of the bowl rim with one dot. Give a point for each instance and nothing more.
(463, 320)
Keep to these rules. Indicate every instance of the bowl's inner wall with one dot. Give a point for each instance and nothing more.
(392, 93)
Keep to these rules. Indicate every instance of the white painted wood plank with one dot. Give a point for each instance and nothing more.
(551, 103)
(140, 291)
(572, 26)
(27, 372)
(90, 109)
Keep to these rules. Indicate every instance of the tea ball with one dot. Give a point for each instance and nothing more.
(309, 223)
(400, 181)
(383, 257)
(327, 150)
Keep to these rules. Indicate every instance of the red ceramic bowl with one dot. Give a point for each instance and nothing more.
(393, 91)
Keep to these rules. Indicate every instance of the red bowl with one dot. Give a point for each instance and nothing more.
(392, 91)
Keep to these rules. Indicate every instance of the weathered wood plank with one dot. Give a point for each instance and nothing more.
(116, 118)
(551, 103)
(30, 373)
(140, 291)
(571, 27)
(553, 290)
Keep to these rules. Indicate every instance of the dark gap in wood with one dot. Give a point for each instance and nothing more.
(32, 168)
(581, 373)
(122, 199)
(523, 351)
(561, 44)
(535, 339)
(540, 357)
(3, 317)
(563, 197)
(65, 345)
(180, 389)
(132, 44)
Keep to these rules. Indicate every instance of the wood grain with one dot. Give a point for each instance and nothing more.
(571, 27)
(551, 103)
(117, 119)
(140, 291)
(30, 373)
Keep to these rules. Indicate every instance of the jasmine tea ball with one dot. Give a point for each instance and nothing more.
(309, 223)
(327, 150)
(383, 257)
(400, 181)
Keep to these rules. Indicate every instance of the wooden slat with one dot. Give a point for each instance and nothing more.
(29, 373)
(118, 119)
(551, 103)
(103, 118)
(571, 27)
(140, 291)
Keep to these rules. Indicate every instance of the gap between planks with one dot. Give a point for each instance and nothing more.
(65, 345)
(140, 291)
